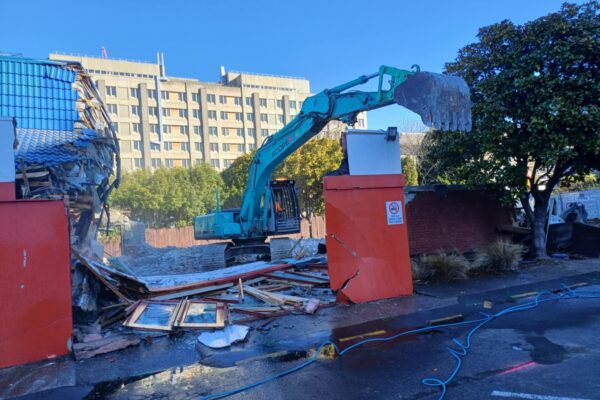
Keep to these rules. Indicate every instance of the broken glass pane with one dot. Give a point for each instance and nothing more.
(199, 313)
(156, 314)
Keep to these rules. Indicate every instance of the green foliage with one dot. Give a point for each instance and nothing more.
(498, 256)
(168, 197)
(409, 169)
(234, 179)
(441, 266)
(306, 166)
(535, 90)
(579, 182)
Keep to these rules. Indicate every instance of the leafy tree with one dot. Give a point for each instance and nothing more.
(306, 166)
(235, 178)
(409, 169)
(536, 118)
(168, 197)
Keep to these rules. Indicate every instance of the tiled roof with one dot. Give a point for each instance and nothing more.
(38, 93)
(51, 147)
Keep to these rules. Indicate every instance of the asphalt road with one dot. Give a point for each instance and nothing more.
(548, 353)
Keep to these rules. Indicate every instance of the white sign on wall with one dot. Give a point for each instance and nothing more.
(393, 210)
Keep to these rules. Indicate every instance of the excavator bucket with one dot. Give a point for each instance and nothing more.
(442, 101)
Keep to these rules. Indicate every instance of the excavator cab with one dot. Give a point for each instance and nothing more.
(284, 210)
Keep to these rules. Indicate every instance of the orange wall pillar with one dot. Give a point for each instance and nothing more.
(367, 239)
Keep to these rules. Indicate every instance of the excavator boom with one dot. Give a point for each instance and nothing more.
(442, 101)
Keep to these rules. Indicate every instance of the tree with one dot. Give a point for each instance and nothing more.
(235, 178)
(536, 118)
(306, 166)
(409, 169)
(168, 197)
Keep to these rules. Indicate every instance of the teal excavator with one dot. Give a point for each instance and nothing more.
(270, 207)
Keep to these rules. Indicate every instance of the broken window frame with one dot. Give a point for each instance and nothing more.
(142, 306)
(220, 315)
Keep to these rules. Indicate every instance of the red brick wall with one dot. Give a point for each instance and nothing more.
(456, 219)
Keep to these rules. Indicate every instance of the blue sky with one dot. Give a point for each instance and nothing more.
(328, 42)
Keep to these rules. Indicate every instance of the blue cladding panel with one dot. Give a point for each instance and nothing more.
(52, 146)
(38, 93)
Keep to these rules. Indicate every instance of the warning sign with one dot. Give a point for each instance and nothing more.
(394, 212)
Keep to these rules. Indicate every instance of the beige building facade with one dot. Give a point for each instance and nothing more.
(165, 121)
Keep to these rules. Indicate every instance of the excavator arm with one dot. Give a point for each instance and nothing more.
(442, 102)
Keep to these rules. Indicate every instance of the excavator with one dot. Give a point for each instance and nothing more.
(270, 207)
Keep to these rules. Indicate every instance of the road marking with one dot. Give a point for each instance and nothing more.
(361, 336)
(514, 395)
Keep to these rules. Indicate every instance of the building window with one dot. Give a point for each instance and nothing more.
(250, 116)
(111, 91)
(196, 97)
(214, 147)
(224, 131)
(164, 95)
(113, 109)
(280, 118)
(292, 104)
(215, 163)
(227, 163)
(154, 146)
(169, 163)
(223, 99)
(156, 163)
(115, 126)
(251, 132)
(138, 162)
(184, 130)
(264, 118)
(264, 132)
(251, 146)
(210, 98)
(134, 93)
(300, 104)
(135, 110)
(263, 102)
(196, 114)
(166, 112)
(166, 128)
(168, 145)
(153, 128)
(137, 145)
(237, 101)
(136, 127)
(212, 114)
(249, 101)
(198, 130)
(224, 115)
(212, 130)
(152, 93)
(183, 113)
(185, 146)
(279, 103)
(181, 97)
(198, 161)
(226, 147)
(153, 111)
(198, 146)
(240, 148)
(185, 163)
(239, 116)
(239, 132)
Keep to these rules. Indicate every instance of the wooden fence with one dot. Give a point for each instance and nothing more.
(184, 237)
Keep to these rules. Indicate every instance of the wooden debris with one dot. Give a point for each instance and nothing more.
(87, 264)
(311, 306)
(104, 345)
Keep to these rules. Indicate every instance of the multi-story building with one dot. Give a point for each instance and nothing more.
(168, 121)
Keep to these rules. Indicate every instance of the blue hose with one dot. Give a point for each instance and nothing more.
(458, 353)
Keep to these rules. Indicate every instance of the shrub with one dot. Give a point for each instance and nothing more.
(499, 256)
(441, 266)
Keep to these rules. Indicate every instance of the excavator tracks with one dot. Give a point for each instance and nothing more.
(213, 255)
